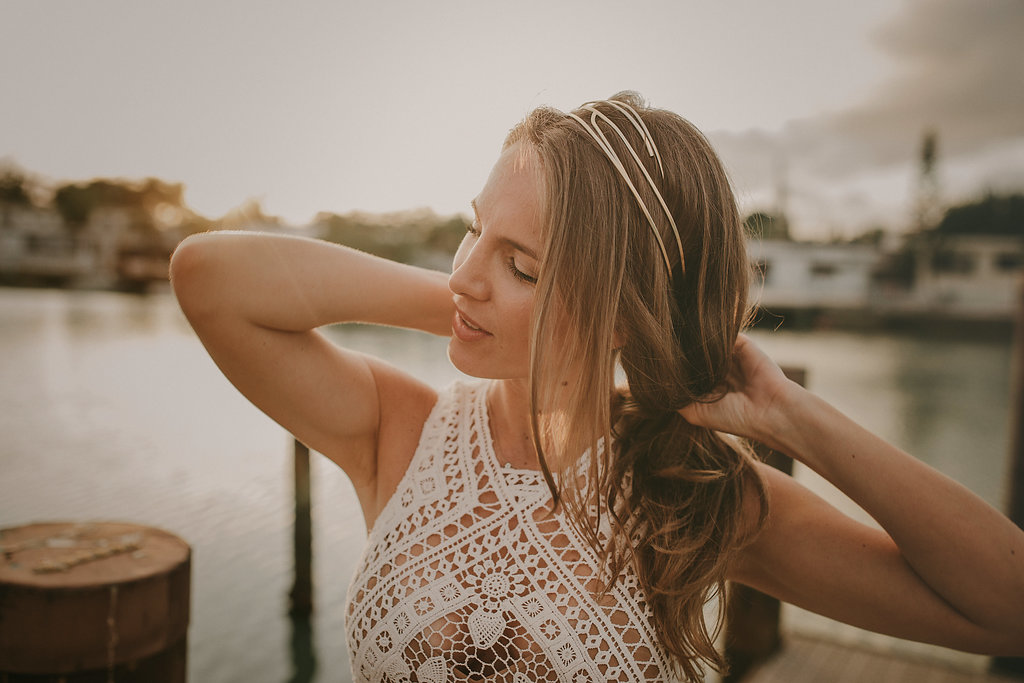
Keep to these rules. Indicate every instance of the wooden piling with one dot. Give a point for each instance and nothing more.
(98, 601)
(752, 632)
(301, 596)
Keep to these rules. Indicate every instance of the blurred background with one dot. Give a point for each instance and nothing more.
(876, 148)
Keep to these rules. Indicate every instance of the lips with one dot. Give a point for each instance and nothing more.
(466, 328)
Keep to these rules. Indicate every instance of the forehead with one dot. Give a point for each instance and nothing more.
(511, 199)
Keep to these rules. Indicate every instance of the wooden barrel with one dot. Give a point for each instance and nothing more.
(96, 601)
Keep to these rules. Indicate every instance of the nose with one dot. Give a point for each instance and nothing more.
(468, 276)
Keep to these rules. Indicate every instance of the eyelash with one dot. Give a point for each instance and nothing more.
(520, 275)
(511, 264)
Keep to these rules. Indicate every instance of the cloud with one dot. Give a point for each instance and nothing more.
(958, 68)
(962, 74)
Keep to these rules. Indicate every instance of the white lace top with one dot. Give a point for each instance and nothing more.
(466, 577)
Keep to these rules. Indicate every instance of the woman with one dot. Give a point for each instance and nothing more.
(547, 524)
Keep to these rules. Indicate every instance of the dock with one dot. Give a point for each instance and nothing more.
(806, 659)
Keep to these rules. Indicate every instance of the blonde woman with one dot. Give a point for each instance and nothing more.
(543, 523)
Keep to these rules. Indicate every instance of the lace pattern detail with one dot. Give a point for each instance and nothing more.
(466, 575)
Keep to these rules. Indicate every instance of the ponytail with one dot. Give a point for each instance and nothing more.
(686, 496)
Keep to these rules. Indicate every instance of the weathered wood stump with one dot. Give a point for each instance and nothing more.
(99, 601)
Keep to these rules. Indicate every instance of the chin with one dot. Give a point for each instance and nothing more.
(468, 363)
(479, 365)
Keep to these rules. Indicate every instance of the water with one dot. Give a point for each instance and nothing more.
(110, 409)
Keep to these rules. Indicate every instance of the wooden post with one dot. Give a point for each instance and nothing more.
(99, 601)
(752, 632)
(301, 596)
(303, 654)
(1015, 498)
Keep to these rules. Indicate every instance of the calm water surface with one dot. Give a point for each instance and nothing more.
(110, 409)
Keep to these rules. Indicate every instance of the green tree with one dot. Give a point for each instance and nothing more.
(991, 215)
(446, 234)
(766, 226)
(148, 200)
(14, 188)
(74, 203)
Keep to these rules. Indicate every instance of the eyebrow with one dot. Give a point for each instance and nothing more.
(506, 240)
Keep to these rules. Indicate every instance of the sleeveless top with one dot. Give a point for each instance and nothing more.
(466, 575)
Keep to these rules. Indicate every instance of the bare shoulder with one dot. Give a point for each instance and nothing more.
(405, 404)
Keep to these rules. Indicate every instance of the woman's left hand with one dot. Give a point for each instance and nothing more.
(754, 402)
(945, 568)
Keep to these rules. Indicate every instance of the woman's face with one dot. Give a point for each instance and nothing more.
(495, 271)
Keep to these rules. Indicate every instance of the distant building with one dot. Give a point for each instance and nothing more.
(812, 277)
(964, 276)
(108, 250)
(105, 232)
(930, 279)
(35, 245)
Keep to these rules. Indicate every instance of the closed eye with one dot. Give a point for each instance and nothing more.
(520, 275)
(474, 230)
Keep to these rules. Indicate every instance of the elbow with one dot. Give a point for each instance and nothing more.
(191, 269)
(183, 260)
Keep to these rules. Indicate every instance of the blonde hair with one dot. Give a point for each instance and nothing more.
(674, 494)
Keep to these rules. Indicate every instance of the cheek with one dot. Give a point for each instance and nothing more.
(523, 317)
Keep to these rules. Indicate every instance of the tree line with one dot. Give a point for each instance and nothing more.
(158, 206)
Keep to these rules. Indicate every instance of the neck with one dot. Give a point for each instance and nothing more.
(508, 405)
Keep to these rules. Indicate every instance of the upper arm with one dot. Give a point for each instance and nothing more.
(813, 556)
(357, 410)
(328, 397)
(323, 395)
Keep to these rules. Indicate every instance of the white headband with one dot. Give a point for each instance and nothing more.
(652, 151)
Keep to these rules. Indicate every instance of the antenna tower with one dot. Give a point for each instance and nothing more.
(928, 208)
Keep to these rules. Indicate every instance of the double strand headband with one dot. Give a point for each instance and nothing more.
(652, 151)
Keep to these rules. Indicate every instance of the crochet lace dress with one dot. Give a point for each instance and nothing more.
(466, 577)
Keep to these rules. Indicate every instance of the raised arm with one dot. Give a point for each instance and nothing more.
(255, 300)
(948, 568)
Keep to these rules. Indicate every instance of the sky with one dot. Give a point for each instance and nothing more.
(392, 105)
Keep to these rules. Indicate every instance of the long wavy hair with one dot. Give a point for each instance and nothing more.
(678, 498)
